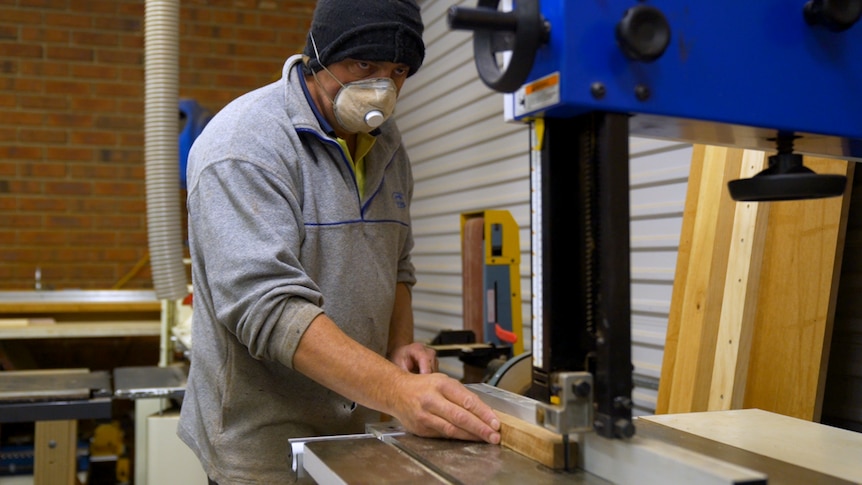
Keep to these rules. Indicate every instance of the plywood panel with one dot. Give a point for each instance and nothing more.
(796, 306)
(750, 326)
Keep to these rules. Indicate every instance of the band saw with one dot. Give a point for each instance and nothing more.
(780, 76)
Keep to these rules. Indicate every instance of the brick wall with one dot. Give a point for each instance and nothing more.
(72, 193)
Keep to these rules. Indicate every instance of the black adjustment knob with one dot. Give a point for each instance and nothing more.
(834, 15)
(786, 178)
(623, 428)
(581, 388)
(643, 34)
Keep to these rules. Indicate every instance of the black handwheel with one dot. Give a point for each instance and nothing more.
(521, 32)
(834, 15)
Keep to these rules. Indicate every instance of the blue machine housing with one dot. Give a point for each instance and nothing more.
(734, 73)
(193, 119)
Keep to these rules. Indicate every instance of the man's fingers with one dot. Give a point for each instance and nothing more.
(468, 413)
(443, 407)
(484, 412)
(416, 358)
(427, 365)
(439, 427)
(425, 358)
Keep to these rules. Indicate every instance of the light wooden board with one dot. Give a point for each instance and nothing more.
(464, 347)
(796, 304)
(535, 442)
(83, 330)
(696, 307)
(789, 450)
(750, 326)
(680, 281)
(25, 307)
(14, 322)
(741, 289)
(23, 322)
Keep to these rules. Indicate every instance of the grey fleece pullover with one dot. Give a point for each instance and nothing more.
(278, 234)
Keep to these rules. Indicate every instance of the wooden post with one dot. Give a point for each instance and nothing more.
(55, 453)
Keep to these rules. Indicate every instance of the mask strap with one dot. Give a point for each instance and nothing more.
(317, 55)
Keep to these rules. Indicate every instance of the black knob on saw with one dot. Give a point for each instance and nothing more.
(834, 15)
(787, 178)
(521, 32)
(643, 34)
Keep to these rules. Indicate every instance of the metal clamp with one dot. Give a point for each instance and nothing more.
(571, 410)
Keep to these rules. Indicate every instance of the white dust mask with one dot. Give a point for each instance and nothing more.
(365, 104)
(362, 106)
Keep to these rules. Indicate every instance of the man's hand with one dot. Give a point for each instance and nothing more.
(437, 406)
(431, 405)
(415, 358)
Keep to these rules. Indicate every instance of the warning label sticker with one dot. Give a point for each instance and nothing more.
(537, 95)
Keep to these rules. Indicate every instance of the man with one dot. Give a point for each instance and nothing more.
(299, 226)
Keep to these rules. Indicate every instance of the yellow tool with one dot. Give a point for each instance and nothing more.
(501, 286)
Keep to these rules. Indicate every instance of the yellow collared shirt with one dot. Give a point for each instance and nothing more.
(364, 142)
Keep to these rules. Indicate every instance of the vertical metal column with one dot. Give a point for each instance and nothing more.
(581, 261)
(613, 374)
(561, 337)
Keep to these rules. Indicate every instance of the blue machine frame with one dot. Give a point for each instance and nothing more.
(734, 73)
(770, 75)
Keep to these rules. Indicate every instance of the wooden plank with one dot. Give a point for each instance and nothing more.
(796, 305)
(55, 453)
(23, 322)
(14, 322)
(789, 450)
(680, 280)
(742, 283)
(472, 285)
(473, 263)
(83, 330)
(535, 442)
(46, 384)
(701, 296)
(464, 347)
(41, 307)
(752, 338)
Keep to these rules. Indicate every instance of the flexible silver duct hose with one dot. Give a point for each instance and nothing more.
(161, 147)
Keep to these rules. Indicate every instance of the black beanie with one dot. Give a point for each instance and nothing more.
(366, 30)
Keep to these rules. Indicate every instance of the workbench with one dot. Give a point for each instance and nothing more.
(65, 333)
(59, 318)
(55, 400)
